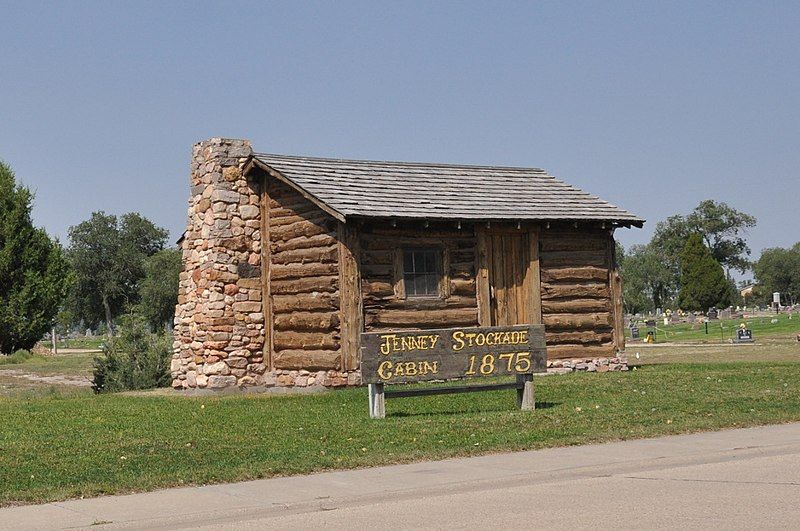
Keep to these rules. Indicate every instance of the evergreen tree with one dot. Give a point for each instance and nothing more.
(703, 282)
(34, 275)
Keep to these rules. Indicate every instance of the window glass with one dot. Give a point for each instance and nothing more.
(421, 274)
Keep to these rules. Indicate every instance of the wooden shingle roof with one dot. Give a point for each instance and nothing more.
(363, 188)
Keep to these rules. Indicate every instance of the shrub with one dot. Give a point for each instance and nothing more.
(19, 356)
(135, 359)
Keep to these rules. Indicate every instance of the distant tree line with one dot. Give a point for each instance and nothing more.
(688, 261)
(121, 266)
(778, 269)
(113, 269)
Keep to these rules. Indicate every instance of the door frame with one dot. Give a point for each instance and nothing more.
(532, 280)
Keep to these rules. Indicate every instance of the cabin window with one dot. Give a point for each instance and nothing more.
(422, 272)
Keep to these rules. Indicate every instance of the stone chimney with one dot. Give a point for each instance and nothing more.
(219, 321)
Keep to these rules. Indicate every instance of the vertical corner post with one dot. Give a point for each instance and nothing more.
(351, 309)
(617, 304)
(534, 277)
(266, 271)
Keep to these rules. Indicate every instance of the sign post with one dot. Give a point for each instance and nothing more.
(424, 355)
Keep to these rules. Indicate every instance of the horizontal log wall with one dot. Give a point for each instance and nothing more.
(384, 309)
(304, 282)
(577, 309)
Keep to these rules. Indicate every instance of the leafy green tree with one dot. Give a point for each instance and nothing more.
(648, 280)
(703, 282)
(721, 227)
(634, 298)
(158, 291)
(34, 275)
(108, 255)
(778, 269)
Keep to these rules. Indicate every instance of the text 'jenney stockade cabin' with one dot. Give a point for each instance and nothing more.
(288, 259)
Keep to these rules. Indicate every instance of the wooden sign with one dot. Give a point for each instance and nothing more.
(423, 355)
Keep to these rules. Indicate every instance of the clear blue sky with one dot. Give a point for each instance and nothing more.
(652, 106)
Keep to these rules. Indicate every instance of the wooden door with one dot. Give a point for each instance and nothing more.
(510, 277)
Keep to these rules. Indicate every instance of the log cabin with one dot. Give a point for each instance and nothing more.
(288, 259)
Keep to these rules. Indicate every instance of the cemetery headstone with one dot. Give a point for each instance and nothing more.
(744, 335)
(712, 314)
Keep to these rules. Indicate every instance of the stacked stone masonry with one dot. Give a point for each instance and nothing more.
(615, 364)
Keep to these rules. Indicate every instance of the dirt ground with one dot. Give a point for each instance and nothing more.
(68, 371)
(774, 349)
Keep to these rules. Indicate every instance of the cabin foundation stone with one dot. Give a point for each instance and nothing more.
(566, 366)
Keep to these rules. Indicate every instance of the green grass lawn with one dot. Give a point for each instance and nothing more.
(93, 342)
(722, 331)
(62, 446)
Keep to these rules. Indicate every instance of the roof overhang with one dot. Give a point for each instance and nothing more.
(611, 223)
(253, 164)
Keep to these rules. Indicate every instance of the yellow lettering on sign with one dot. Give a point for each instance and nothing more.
(463, 339)
(458, 337)
(408, 343)
(428, 367)
(385, 370)
(386, 347)
(394, 343)
(388, 370)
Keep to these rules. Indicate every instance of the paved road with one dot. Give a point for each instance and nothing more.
(744, 479)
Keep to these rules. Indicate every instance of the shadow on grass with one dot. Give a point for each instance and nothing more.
(462, 411)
